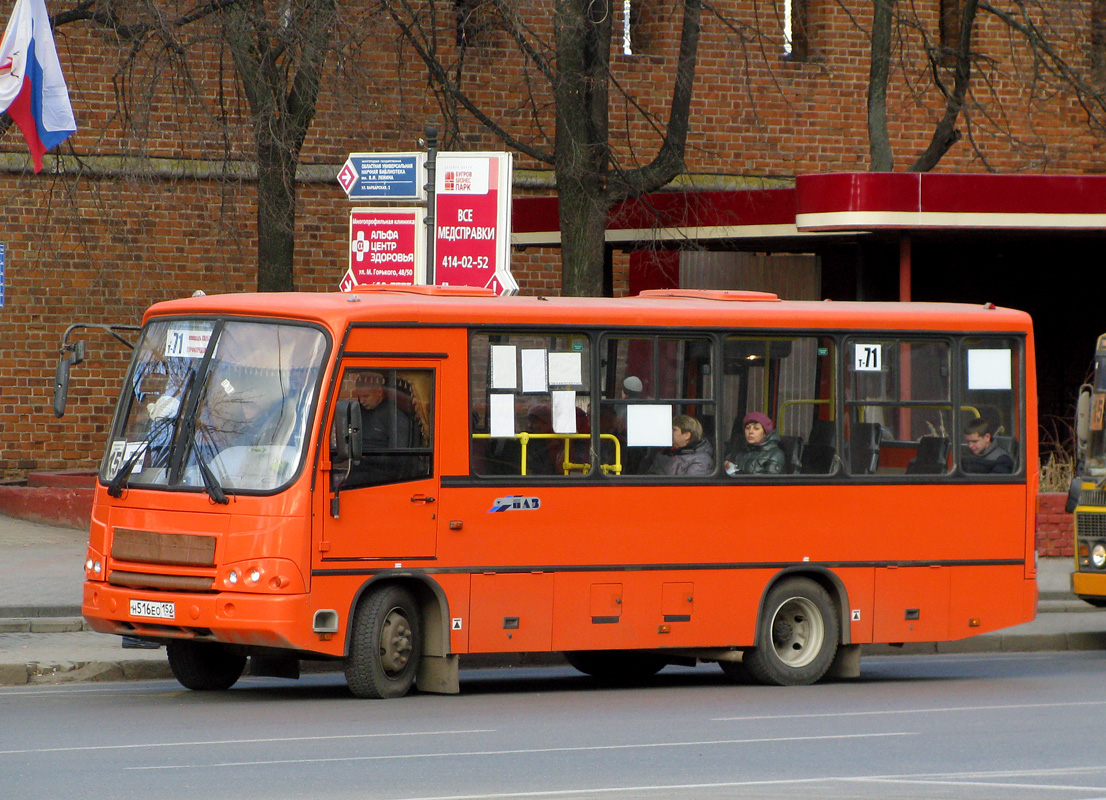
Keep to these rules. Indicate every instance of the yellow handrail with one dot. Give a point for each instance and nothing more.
(566, 465)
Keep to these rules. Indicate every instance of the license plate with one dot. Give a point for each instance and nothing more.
(144, 608)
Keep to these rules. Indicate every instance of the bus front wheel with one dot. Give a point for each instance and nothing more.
(204, 666)
(797, 635)
(385, 647)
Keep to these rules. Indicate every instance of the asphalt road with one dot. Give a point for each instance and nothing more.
(957, 726)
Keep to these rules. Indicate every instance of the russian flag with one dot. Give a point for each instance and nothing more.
(32, 88)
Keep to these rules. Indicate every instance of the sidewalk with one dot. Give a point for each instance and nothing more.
(43, 638)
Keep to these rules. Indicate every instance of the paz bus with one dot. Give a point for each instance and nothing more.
(1087, 498)
(394, 478)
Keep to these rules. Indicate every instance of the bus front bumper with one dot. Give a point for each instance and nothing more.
(1089, 584)
(251, 620)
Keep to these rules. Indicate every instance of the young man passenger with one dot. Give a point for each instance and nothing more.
(984, 456)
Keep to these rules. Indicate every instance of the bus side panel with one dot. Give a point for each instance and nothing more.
(644, 609)
(989, 598)
(912, 604)
(859, 615)
(511, 612)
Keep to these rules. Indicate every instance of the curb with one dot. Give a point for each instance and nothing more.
(40, 674)
(36, 673)
(43, 624)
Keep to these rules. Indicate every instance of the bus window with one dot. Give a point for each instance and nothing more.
(899, 408)
(396, 424)
(989, 403)
(531, 412)
(648, 382)
(791, 381)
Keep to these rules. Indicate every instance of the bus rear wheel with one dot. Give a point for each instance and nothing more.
(616, 665)
(386, 645)
(204, 666)
(797, 634)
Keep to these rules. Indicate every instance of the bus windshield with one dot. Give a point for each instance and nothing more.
(1094, 455)
(216, 405)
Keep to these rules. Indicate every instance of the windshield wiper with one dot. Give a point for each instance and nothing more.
(211, 483)
(119, 482)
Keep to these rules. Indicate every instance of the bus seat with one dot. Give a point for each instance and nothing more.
(792, 447)
(864, 447)
(817, 459)
(932, 457)
(819, 452)
(1009, 444)
(822, 433)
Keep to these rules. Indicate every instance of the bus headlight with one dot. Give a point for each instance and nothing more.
(1098, 555)
(262, 575)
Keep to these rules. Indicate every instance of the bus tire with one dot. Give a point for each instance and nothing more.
(616, 665)
(798, 633)
(386, 645)
(204, 666)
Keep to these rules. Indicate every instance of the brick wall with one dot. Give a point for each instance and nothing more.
(93, 244)
(1055, 527)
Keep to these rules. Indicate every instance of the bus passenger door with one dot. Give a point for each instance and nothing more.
(387, 501)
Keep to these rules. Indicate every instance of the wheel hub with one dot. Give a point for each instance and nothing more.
(797, 632)
(396, 642)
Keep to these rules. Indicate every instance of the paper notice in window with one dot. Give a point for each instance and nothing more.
(565, 369)
(501, 412)
(534, 375)
(649, 426)
(504, 374)
(564, 412)
(989, 369)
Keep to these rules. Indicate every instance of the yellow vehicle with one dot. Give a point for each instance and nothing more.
(1087, 497)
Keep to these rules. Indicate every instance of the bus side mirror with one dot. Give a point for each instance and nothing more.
(70, 354)
(346, 436)
(1075, 491)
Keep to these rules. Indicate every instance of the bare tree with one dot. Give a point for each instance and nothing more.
(279, 53)
(575, 67)
(950, 59)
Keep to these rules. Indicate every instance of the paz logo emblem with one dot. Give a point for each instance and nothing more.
(515, 502)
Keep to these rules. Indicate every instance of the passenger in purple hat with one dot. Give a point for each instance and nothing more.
(761, 454)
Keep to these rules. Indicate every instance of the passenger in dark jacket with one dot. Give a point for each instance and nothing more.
(691, 454)
(984, 456)
(761, 454)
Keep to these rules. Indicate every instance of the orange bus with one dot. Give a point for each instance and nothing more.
(393, 478)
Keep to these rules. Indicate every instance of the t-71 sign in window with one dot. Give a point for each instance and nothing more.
(869, 357)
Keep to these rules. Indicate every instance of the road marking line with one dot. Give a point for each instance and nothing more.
(990, 784)
(887, 712)
(527, 751)
(223, 742)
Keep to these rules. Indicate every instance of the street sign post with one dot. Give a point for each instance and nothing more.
(467, 219)
(383, 176)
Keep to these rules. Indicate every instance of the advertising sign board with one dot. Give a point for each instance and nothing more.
(473, 221)
(385, 246)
